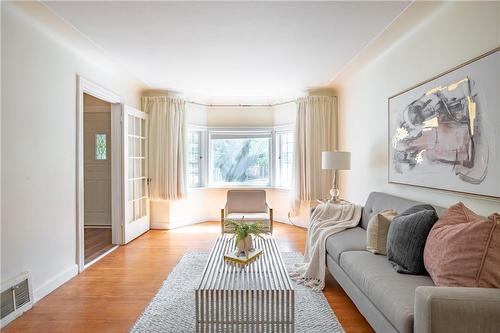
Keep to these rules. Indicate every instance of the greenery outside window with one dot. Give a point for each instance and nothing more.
(240, 158)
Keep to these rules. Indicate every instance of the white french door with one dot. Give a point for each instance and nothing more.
(135, 186)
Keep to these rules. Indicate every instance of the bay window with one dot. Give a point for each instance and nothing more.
(260, 157)
(284, 155)
(194, 156)
(240, 158)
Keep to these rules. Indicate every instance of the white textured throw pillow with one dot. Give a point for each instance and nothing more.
(376, 232)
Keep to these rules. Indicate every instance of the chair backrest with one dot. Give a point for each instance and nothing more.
(246, 201)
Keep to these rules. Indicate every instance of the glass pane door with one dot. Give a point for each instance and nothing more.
(136, 174)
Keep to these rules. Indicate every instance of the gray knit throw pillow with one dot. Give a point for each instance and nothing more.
(406, 239)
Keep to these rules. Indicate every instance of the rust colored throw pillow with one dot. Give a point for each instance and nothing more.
(463, 249)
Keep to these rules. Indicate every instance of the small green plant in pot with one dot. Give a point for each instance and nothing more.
(243, 232)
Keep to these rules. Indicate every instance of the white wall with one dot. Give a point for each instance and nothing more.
(426, 40)
(196, 114)
(41, 57)
(239, 116)
(284, 114)
(204, 204)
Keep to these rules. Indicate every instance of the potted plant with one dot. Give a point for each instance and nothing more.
(243, 232)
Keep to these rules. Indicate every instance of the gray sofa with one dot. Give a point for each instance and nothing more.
(393, 302)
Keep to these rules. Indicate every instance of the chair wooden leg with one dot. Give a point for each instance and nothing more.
(271, 220)
(222, 220)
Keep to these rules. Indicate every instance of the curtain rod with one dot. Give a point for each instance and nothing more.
(241, 105)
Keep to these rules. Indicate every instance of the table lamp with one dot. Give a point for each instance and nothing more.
(335, 160)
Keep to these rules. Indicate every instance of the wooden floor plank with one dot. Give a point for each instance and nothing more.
(97, 241)
(111, 294)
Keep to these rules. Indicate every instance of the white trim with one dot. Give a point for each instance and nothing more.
(182, 223)
(236, 186)
(188, 222)
(194, 127)
(101, 256)
(278, 152)
(236, 130)
(117, 173)
(91, 88)
(284, 128)
(281, 219)
(132, 229)
(201, 151)
(55, 282)
(267, 131)
(97, 226)
(243, 132)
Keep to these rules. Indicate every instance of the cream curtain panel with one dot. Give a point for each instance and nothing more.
(315, 131)
(166, 148)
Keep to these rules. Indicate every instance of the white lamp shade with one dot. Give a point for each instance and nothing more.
(336, 160)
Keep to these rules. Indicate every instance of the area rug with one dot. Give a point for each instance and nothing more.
(172, 309)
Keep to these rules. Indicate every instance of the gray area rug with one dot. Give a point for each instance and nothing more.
(172, 309)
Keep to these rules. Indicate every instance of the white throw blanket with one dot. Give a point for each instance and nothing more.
(326, 220)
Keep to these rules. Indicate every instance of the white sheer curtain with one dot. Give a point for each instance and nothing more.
(166, 149)
(315, 131)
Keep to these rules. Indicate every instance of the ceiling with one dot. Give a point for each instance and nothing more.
(221, 51)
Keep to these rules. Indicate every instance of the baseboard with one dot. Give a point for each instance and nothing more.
(159, 225)
(178, 224)
(101, 256)
(54, 283)
(281, 219)
(183, 223)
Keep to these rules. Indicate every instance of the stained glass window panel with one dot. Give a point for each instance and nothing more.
(100, 146)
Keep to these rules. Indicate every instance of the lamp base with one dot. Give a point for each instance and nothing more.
(334, 192)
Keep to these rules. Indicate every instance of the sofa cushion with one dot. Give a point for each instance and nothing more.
(353, 239)
(463, 249)
(392, 293)
(379, 201)
(377, 230)
(406, 239)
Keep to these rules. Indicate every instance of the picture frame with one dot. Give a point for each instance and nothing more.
(444, 132)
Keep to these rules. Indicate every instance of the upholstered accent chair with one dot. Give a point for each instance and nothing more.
(248, 204)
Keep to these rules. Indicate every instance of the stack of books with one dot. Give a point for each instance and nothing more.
(242, 260)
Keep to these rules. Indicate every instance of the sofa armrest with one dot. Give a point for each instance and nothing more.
(457, 309)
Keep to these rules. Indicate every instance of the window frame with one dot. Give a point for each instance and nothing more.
(202, 152)
(97, 155)
(279, 130)
(208, 132)
(240, 132)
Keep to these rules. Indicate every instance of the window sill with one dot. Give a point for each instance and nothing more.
(282, 188)
(239, 187)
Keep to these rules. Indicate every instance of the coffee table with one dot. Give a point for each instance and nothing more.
(256, 298)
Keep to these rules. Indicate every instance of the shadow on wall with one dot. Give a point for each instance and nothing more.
(378, 156)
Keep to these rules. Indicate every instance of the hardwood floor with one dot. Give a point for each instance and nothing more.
(111, 294)
(96, 242)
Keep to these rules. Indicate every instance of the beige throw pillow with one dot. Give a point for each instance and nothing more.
(376, 232)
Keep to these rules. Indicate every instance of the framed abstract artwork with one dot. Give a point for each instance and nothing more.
(444, 133)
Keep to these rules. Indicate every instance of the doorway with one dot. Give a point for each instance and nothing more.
(111, 173)
(97, 178)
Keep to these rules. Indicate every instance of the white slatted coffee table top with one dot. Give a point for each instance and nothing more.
(268, 272)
